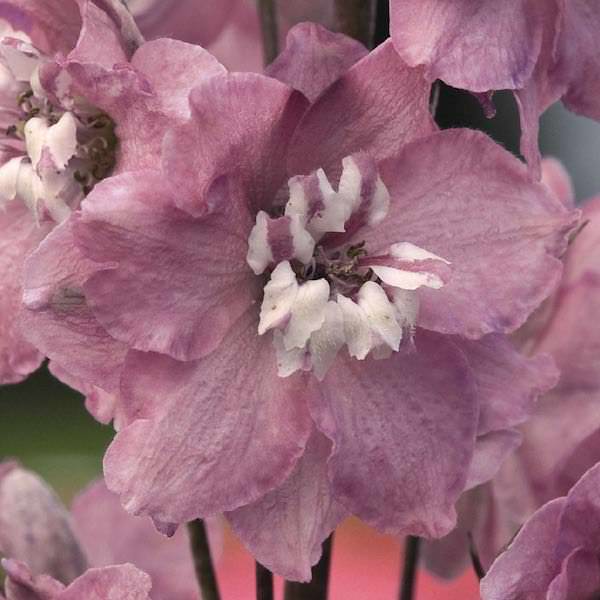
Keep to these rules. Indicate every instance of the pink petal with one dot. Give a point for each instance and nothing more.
(241, 125)
(124, 582)
(578, 50)
(98, 515)
(187, 276)
(192, 21)
(34, 526)
(558, 180)
(579, 577)
(56, 309)
(20, 236)
(285, 528)
(471, 44)
(528, 566)
(21, 584)
(242, 427)
(314, 58)
(495, 362)
(403, 431)
(355, 115)
(459, 181)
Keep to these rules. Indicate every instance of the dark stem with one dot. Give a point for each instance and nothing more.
(317, 588)
(356, 18)
(264, 583)
(268, 24)
(475, 560)
(409, 573)
(203, 565)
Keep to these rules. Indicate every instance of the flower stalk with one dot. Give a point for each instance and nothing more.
(203, 564)
(409, 572)
(318, 587)
(264, 583)
(356, 18)
(267, 12)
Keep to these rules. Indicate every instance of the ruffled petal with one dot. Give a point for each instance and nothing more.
(529, 565)
(20, 236)
(284, 530)
(186, 276)
(354, 115)
(97, 515)
(403, 431)
(55, 308)
(241, 125)
(242, 426)
(477, 46)
(314, 58)
(578, 578)
(459, 181)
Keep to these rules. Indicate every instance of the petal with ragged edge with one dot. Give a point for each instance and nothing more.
(176, 283)
(314, 58)
(241, 125)
(461, 196)
(284, 530)
(243, 428)
(471, 44)
(403, 431)
(354, 115)
(20, 236)
(55, 308)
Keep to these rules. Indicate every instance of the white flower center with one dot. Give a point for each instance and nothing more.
(54, 149)
(325, 291)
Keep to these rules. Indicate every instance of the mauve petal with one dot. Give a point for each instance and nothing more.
(100, 40)
(578, 54)
(478, 45)
(122, 582)
(241, 125)
(193, 21)
(102, 405)
(495, 361)
(529, 564)
(35, 527)
(459, 181)
(56, 309)
(242, 427)
(187, 276)
(285, 528)
(97, 515)
(53, 27)
(579, 523)
(314, 58)
(490, 452)
(556, 178)
(146, 97)
(403, 431)
(21, 584)
(579, 578)
(354, 115)
(543, 88)
(20, 236)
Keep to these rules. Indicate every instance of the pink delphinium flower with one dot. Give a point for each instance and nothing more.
(79, 100)
(44, 543)
(555, 555)
(561, 440)
(295, 353)
(546, 50)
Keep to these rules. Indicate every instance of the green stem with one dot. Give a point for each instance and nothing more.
(319, 584)
(356, 18)
(409, 572)
(203, 565)
(264, 583)
(268, 24)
